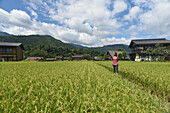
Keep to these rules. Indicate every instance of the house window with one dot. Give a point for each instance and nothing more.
(145, 48)
(2, 49)
(139, 48)
(9, 50)
(6, 49)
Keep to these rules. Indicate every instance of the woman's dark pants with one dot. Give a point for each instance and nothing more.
(115, 67)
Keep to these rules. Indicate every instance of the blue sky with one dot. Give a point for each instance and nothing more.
(87, 22)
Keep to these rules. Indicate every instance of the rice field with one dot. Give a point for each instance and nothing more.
(150, 75)
(83, 86)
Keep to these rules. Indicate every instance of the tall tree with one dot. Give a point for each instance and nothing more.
(149, 52)
(124, 54)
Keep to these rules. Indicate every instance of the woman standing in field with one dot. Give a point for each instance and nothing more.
(115, 62)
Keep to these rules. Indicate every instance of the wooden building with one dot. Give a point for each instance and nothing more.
(139, 47)
(77, 57)
(111, 54)
(11, 51)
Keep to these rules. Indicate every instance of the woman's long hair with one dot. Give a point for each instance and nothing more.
(115, 54)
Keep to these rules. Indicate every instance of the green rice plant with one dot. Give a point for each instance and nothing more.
(70, 87)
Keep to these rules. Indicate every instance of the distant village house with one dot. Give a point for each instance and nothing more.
(111, 54)
(59, 58)
(77, 57)
(35, 58)
(96, 58)
(92, 58)
(50, 59)
(11, 51)
(66, 58)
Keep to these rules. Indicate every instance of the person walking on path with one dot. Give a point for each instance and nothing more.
(115, 63)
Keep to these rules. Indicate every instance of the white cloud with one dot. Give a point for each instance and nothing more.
(119, 6)
(15, 17)
(77, 11)
(89, 22)
(156, 21)
(33, 13)
(132, 28)
(133, 13)
(113, 40)
(143, 3)
(86, 35)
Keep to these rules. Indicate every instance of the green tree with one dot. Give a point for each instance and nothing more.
(70, 58)
(86, 56)
(52, 51)
(106, 57)
(120, 56)
(149, 52)
(124, 54)
(161, 52)
(120, 49)
(39, 53)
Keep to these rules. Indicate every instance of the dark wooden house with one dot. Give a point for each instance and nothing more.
(11, 51)
(139, 47)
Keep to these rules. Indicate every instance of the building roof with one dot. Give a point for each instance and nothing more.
(112, 52)
(66, 57)
(58, 57)
(77, 56)
(11, 44)
(50, 59)
(34, 58)
(92, 58)
(150, 41)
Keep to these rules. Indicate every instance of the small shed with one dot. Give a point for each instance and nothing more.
(77, 57)
(58, 58)
(96, 58)
(66, 58)
(34, 58)
(92, 58)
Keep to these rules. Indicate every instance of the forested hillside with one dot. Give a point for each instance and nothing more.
(47, 46)
(35, 39)
(52, 51)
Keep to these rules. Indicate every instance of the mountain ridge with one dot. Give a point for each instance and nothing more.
(113, 47)
(5, 34)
